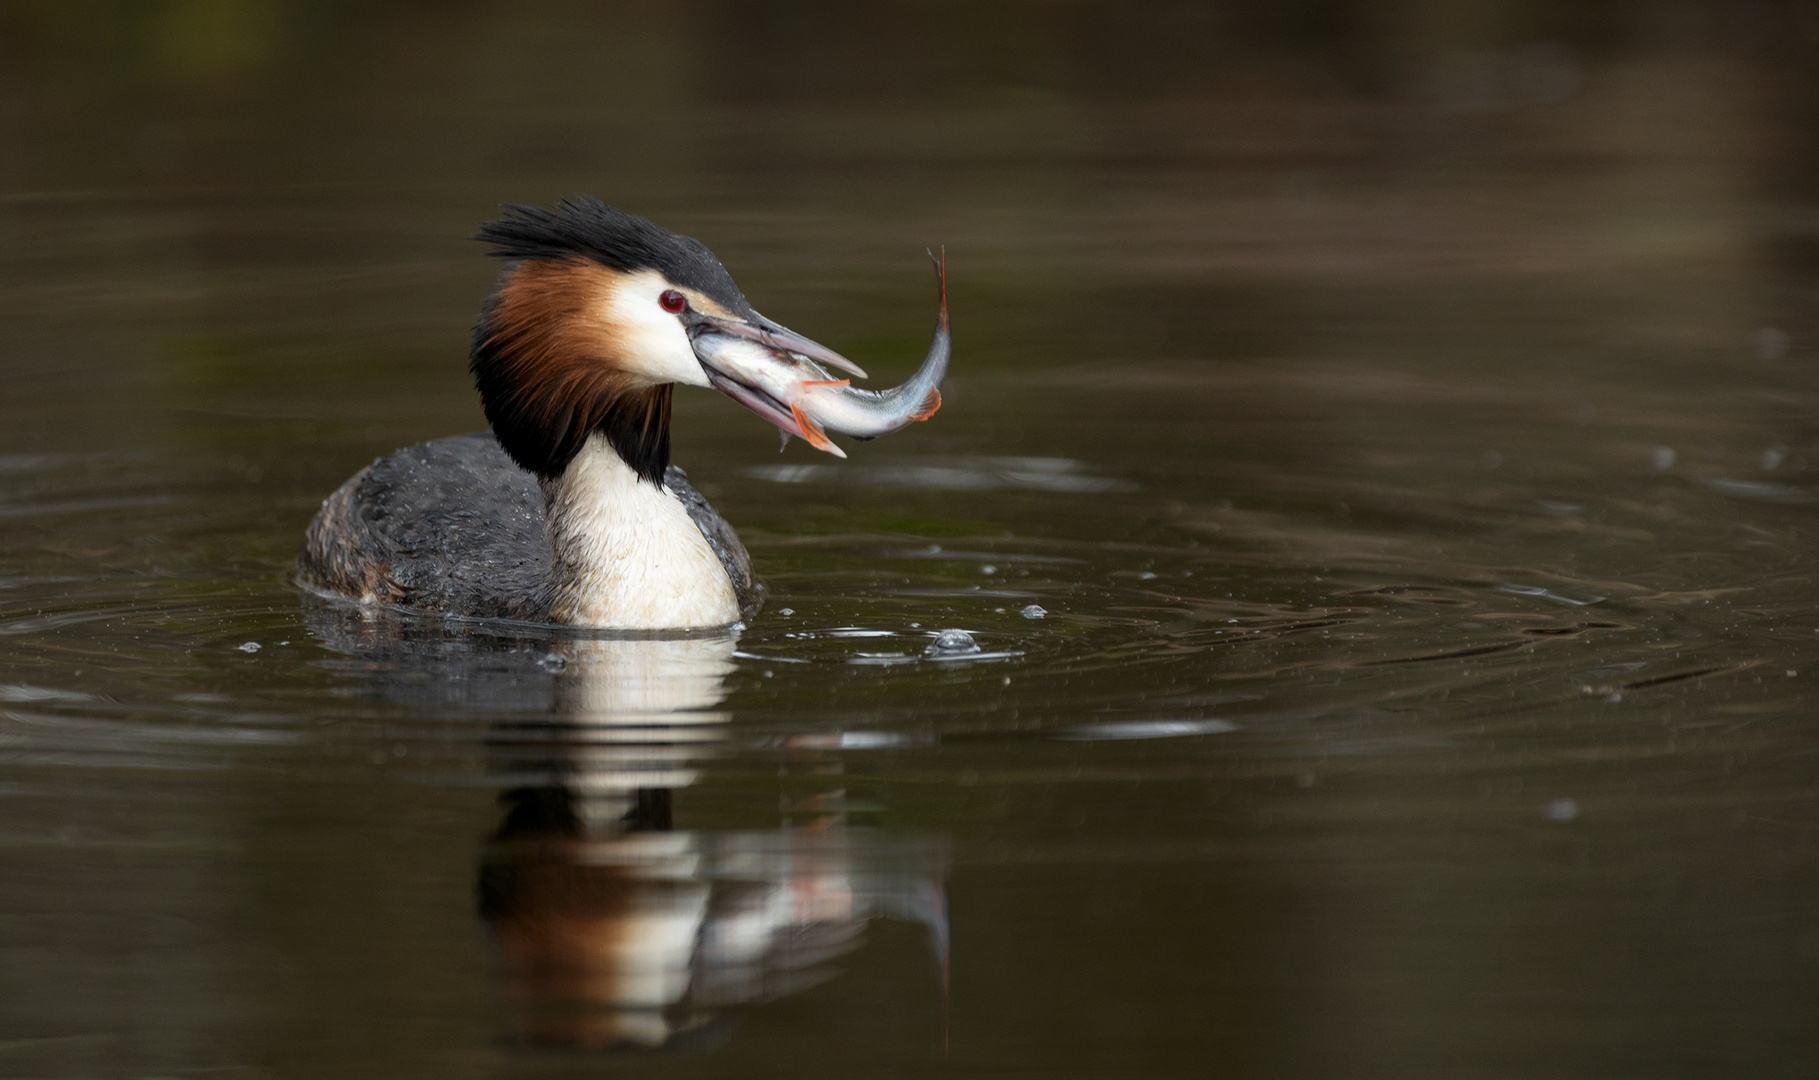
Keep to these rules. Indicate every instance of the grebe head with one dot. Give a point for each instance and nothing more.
(588, 328)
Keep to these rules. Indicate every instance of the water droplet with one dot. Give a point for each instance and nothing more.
(786, 611)
(1034, 611)
(1146, 575)
(1662, 457)
(1561, 810)
(250, 647)
(951, 643)
(988, 568)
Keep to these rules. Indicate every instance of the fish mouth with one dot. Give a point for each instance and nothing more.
(776, 358)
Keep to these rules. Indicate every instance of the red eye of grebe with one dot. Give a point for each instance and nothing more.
(672, 301)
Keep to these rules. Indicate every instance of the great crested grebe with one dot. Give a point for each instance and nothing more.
(570, 511)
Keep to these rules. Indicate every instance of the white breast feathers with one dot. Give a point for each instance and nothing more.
(626, 555)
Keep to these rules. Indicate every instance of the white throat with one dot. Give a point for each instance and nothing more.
(625, 553)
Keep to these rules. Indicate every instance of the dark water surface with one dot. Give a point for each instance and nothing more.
(1380, 473)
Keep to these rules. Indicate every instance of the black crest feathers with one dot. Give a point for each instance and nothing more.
(584, 227)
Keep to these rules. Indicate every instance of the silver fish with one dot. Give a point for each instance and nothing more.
(801, 398)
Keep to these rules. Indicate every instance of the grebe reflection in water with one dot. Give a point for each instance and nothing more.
(615, 928)
(610, 926)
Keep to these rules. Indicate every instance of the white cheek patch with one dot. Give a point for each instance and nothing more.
(651, 341)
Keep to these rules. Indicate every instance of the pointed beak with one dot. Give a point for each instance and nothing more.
(765, 367)
(782, 339)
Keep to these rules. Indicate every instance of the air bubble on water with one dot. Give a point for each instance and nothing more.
(551, 662)
(1034, 611)
(1561, 810)
(1146, 575)
(988, 568)
(951, 643)
(1773, 457)
(249, 647)
(786, 611)
(1662, 457)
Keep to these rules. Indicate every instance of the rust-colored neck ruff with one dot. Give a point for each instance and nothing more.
(542, 361)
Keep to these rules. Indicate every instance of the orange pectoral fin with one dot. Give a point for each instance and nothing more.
(812, 433)
(930, 405)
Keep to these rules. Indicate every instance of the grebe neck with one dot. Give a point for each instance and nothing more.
(624, 552)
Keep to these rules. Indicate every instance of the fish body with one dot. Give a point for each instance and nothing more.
(800, 397)
(866, 414)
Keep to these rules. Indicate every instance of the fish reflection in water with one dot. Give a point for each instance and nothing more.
(612, 928)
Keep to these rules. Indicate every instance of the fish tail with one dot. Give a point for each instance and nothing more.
(940, 262)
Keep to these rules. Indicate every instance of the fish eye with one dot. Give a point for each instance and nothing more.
(672, 301)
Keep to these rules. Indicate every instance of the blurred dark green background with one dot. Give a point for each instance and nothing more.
(1249, 180)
